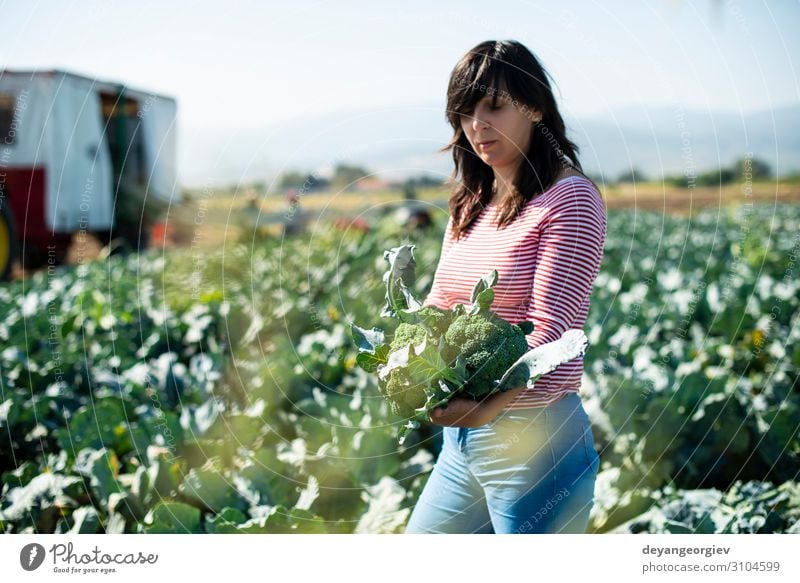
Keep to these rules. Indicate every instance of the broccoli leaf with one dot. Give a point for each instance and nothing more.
(482, 302)
(488, 281)
(367, 340)
(459, 368)
(397, 358)
(399, 280)
(429, 365)
(436, 398)
(483, 294)
(406, 430)
(444, 387)
(547, 357)
(370, 362)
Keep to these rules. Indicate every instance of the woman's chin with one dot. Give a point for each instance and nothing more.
(489, 159)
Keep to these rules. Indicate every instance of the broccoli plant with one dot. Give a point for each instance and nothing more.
(435, 354)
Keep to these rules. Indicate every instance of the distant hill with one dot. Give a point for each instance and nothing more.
(403, 140)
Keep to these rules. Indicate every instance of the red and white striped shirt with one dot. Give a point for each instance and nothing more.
(547, 260)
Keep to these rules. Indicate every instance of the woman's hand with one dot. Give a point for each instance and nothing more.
(464, 412)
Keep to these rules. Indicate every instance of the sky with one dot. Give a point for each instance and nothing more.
(241, 65)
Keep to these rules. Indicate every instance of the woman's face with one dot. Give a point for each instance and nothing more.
(500, 135)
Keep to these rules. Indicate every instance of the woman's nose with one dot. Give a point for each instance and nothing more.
(478, 123)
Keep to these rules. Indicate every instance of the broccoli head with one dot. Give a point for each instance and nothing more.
(403, 394)
(490, 345)
(435, 318)
(406, 334)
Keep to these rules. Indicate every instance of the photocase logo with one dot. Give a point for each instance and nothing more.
(31, 556)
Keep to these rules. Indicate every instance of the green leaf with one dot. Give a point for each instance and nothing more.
(155, 426)
(164, 472)
(459, 370)
(226, 522)
(269, 477)
(172, 518)
(8, 415)
(86, 520)
(39, 502)
(101, 467)
(387, 510)
(367, 340)
(279, 519)
(116, 524)
(406, 430)
(428, 366)
(101, 424)
(308, 494)
(197, 420)
(488, 281)
(482, 302)
(304, 521)
(402, 265)
(399, 280)
(127, 505)
(236, 429)
(397, 359)
(19, 476)
(207, 488)
(139, 483)
(546, 358)
(371, 362)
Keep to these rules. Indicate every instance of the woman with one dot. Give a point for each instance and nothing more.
(522, 461)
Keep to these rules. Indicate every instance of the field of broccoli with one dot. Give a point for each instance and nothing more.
(218, 391)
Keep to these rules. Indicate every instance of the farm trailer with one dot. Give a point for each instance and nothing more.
(80, 155)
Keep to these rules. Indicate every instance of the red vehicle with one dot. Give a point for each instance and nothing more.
(80, 154)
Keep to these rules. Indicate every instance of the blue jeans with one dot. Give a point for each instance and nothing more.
(527, 471)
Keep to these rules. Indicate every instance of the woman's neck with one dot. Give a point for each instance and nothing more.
(503, 184)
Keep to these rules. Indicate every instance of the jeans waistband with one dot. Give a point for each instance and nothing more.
(559, 409)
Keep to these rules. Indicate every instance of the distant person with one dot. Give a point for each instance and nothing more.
(251, 199)
(294, 219)
(522, 461)
(420, 220)
(414, 218)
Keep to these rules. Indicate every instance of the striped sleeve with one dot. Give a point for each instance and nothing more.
(570, 250)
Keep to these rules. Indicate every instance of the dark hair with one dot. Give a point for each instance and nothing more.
(479, 73)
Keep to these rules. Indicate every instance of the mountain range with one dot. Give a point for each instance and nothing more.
(401, 141)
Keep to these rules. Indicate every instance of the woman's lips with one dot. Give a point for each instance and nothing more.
(485, 145)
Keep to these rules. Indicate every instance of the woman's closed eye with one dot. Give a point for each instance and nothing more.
(471, 112)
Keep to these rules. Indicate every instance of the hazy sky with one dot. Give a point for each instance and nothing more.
(239, 64)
